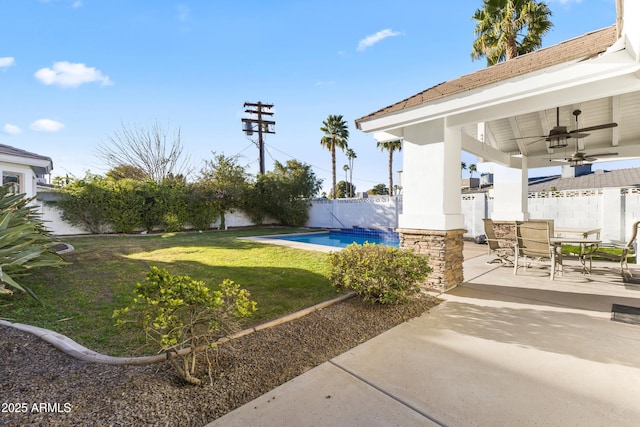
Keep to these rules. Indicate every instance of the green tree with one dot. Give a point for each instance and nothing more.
(336, 135)
(508, 28)
(283, 194)
(390, 146)
(463, 167)
(25, 243)
(126, 172)
(228, 181)
(343, 189)
(379, 190)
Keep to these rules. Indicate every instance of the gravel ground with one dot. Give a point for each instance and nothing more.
(42, 386)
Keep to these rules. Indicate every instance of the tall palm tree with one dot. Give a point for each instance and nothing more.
(473, 168)
(350, 156)
(463, 166)
(336, 135)
(390, 146)
(508, 28)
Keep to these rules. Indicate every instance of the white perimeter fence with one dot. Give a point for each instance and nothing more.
(613, 210)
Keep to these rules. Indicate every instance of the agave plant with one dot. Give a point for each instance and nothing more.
(25, 242)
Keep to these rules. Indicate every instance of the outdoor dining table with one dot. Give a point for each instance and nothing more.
(584, 232)
(587, 246)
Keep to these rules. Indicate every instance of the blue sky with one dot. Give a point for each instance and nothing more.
(72, 72)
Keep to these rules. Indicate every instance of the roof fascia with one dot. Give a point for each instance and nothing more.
(527, 86)
(27, 161)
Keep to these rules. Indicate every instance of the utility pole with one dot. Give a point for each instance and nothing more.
(256, 123)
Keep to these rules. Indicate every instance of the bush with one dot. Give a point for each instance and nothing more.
(379, 274)
(178, 313)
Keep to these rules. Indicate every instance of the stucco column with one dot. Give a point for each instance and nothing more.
(432, 222)
(510, 193)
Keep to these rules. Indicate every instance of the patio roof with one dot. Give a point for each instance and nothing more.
(506, 110)
(576, 49)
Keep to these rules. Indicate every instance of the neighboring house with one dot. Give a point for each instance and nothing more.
(24, 170)
(586, 178)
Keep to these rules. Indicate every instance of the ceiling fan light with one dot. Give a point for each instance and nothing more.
(558, 142)
(576, 162)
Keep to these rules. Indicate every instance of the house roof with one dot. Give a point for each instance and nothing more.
(580, 48)
(41, 164)
(598, 179)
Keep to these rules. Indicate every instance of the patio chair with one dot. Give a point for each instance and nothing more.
(501, 248)
(627, 248)
(533, 240)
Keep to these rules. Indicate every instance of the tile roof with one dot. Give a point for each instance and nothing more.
(12, 151)
(577, 49)
(598, 179)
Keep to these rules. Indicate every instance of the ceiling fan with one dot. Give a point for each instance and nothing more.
(558, 136)
(579, 158)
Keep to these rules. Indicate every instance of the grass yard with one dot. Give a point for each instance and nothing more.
(79, 298)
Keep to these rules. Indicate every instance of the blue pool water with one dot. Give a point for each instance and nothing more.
(345, 237)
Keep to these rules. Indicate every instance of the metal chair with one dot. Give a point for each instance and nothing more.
(533, 240)
(628, 248)
(502, 248)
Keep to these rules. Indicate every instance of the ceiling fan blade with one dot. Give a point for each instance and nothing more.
(578, 135)
(597, 155)
(597, 127)
(542, 138)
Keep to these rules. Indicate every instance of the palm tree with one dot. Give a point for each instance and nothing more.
(391, 146)
(336, 135)
(463, 166)
(350, 156)
(508, 28)
(472, 169)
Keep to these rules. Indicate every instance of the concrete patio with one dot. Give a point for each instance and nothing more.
(500, 350)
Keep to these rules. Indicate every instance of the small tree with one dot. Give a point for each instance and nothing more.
(178, 313)
(343, 189)
(284, 194)
(379, 190)
(151, 150)
(227, 181)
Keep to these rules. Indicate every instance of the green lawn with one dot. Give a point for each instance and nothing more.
(79, 298)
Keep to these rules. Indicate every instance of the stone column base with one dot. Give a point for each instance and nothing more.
(444, 248)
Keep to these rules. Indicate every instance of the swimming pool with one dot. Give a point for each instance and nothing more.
(345, 237)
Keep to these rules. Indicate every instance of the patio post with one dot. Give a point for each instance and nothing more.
(432, 222)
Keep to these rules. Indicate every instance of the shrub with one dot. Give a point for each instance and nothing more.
(178, 313)
(379, 274)
(25, 243)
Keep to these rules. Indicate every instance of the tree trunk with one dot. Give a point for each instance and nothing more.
(390, 172)
(333, 170)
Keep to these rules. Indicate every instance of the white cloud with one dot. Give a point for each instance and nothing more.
(7, 61)
(46, 125)
(67, 74)
(12, 129)
(375, 38)
(76, 4)
(325, 83)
